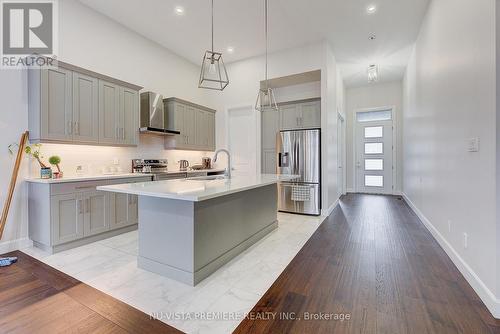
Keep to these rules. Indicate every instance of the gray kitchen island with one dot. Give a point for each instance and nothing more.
(189, 228)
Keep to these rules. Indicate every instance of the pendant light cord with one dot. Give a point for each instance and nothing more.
(265, 10)
(212, 27)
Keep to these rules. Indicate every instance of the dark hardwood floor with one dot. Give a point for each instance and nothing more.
(35, 298)
(374, 261)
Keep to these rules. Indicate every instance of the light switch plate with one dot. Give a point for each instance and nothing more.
(473, 145)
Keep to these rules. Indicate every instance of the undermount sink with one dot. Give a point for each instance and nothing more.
(209, 177)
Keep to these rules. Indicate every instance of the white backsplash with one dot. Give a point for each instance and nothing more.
(94, 159)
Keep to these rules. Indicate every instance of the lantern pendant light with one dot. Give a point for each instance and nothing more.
(213, 71)
(265, 97)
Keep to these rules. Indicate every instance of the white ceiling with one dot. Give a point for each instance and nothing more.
(240, 23)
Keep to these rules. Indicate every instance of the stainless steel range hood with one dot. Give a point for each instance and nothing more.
(153, 117)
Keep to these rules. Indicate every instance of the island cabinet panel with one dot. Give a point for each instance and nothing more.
(195, 123)
(70, 214)
(72, 105)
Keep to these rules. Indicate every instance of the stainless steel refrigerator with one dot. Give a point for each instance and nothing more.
(299, 153)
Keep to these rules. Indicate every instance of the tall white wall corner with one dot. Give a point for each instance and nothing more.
(486, 295)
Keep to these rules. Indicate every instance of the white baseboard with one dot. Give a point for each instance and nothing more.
(332, 207)
(488, 297)
(350, 190)
(12, 245)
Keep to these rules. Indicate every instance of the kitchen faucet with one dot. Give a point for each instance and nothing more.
(227, 172)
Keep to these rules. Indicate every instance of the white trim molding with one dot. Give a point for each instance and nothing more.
(327, 212)
(12, 245)
(488, 297)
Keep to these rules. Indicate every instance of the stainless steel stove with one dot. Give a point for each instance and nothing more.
(157, 167)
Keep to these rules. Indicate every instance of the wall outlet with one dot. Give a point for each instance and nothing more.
(449, 225)
(473, 145)
(116, 161)
(466, 241)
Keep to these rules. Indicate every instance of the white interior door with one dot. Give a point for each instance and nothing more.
(242, 139)
(374, 151)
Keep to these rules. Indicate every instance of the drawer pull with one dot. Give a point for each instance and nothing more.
(84, 187)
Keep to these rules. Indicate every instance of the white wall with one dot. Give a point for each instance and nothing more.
(373, 96)
(91, 40)
(304, 91)
(245, 79)
(449, 94)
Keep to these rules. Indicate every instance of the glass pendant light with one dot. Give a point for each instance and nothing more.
(265, 97)
(372, 73)
(213, 71)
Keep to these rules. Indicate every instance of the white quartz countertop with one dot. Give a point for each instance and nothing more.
(88, 178)
(196, 190)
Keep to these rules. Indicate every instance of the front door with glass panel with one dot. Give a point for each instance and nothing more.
(374, 150)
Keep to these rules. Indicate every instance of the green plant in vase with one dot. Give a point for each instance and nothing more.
(35, 152)
(55, 161)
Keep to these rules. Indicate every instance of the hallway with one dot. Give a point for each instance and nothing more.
(373, 261)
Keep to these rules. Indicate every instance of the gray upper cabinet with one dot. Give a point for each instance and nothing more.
(300, 115)
(109, 109)
(50, 105)
(85, 108)
(289, 117)
(310, 114)
(69, 104)
(195, 123)
(129, 121)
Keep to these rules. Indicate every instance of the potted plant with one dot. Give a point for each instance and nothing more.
(55, 161)
(35, 151)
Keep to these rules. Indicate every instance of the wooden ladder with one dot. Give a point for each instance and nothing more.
(13, 179)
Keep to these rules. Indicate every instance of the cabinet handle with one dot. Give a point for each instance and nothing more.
(70, 127)
(116, 132)
(84, 187)
(80, 206)
(123, 133)
(87, 205)
(77, 128)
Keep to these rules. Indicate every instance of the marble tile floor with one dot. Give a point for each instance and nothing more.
(216, 305)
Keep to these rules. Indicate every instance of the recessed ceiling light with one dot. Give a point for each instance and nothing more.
(179, 10)
(230, 49)
(372, 37)
(371, 9)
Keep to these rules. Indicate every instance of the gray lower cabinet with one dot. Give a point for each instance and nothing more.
(69, 104)
(67, 215)
(195, 123)
(124, 210)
